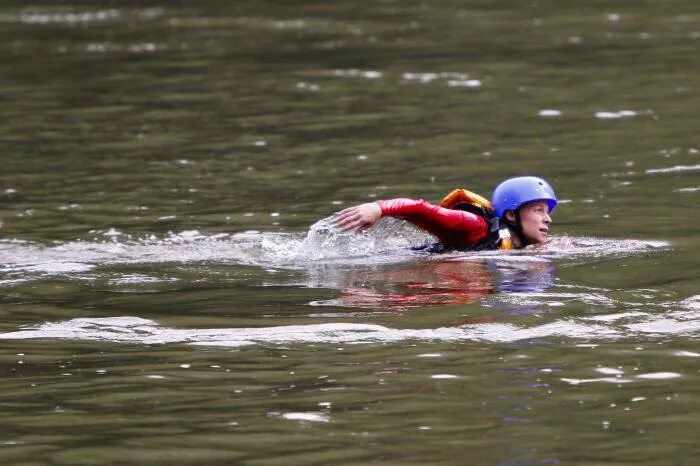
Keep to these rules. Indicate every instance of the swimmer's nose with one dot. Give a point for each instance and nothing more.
(547, 218)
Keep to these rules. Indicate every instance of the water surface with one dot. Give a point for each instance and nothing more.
(168, 297)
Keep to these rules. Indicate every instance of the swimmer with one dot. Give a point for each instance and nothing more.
(517, 216)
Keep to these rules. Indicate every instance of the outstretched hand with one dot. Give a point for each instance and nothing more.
(358, 218)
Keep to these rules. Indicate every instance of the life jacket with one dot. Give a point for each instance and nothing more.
(498, 236)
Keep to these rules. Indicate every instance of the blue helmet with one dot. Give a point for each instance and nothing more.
(514, 192)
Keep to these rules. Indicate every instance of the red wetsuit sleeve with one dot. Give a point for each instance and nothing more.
(454, 228)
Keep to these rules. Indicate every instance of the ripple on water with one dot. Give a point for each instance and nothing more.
(464, 83)
(674, 169)
(136, 47)
(314, 416)
(573, 381)
(616, 115)
(63, 18)
(609, 371)
(356, 73)
(143, 331)
(139, 279)
(452, 79)
(550, 113)
(660, 375)
(687, 354)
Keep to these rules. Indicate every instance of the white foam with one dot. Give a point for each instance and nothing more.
(136, 330)
(692, 303)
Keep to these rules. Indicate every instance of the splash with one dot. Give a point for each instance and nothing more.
(389, 242)
(375, 270)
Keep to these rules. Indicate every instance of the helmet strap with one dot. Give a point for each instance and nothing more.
(517, 229)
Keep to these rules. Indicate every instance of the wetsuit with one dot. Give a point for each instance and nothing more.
(456, 229)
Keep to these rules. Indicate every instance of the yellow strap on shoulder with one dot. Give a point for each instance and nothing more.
(460, 195)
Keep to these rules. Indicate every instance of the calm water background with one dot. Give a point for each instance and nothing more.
(162, 163)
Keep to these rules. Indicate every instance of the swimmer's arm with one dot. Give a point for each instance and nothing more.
(453, 227)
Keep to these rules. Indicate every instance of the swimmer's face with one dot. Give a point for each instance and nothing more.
(535, 220)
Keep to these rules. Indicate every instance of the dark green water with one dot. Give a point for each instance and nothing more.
(162, 303)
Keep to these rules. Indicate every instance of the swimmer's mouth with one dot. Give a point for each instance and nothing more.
(544, 230)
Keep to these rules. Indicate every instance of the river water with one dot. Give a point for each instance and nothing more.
(171, 290)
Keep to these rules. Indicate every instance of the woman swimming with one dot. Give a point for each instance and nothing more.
(518, 216)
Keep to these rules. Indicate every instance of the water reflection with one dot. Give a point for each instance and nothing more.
(432, 283)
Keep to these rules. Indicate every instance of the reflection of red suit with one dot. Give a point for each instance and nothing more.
(454, 228)
(419, 285)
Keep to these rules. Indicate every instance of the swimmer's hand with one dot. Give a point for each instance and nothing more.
(358, 218)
